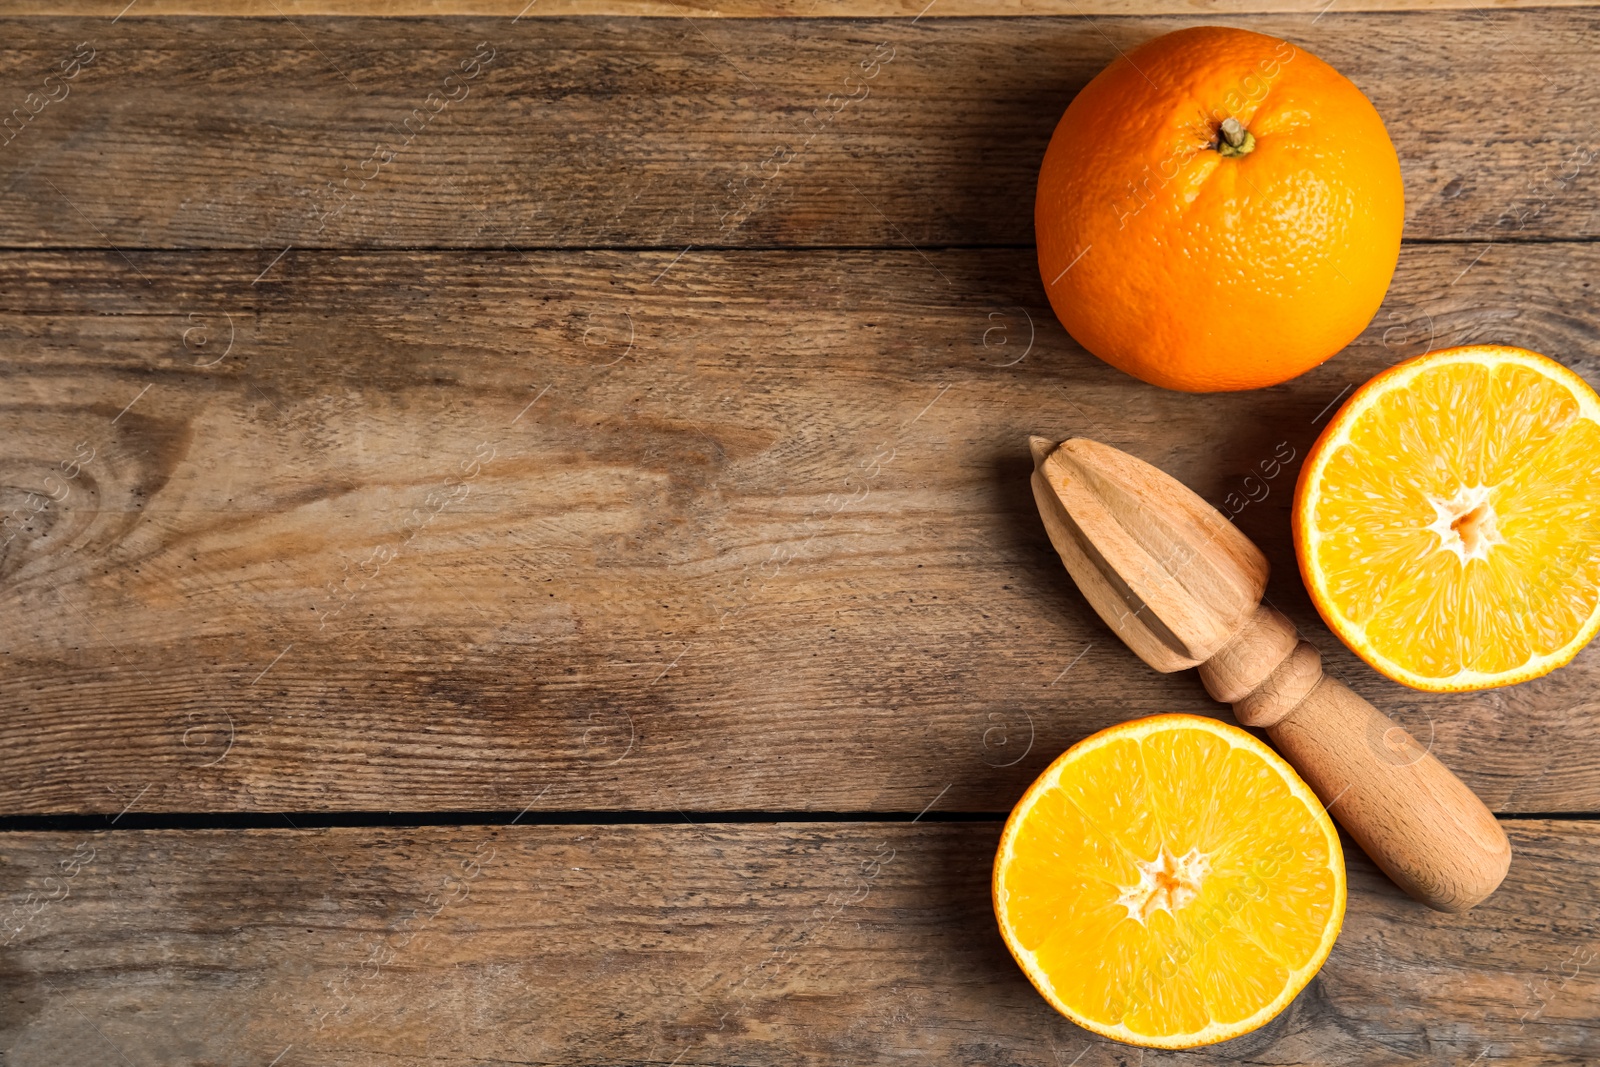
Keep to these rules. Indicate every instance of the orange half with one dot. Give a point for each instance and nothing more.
(1169, 882)
(1447, 521)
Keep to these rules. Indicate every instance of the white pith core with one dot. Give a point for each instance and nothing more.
(1465, 523)
(1166, 883)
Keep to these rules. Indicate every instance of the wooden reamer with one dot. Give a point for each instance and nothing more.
(1182, 586)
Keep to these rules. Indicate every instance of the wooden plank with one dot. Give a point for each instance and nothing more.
(796, 944)
(667, 133)
(733, 530)
(746, 9)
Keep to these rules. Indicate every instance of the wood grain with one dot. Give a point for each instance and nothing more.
(797, 944)
(1162, 568)
(1415, 819)
(666, 133)
(432, 536)
(742, 9)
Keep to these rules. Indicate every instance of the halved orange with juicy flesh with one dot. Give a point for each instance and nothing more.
(1169, 882)
(1448, 519)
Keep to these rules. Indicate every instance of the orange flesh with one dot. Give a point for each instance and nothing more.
(1447, 520)
(1170, 882)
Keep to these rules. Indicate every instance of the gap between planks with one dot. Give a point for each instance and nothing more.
(393, 820)
(379, 251)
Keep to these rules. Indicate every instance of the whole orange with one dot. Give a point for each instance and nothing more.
(1218, 209)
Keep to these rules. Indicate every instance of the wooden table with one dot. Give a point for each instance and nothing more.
(520, 548)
